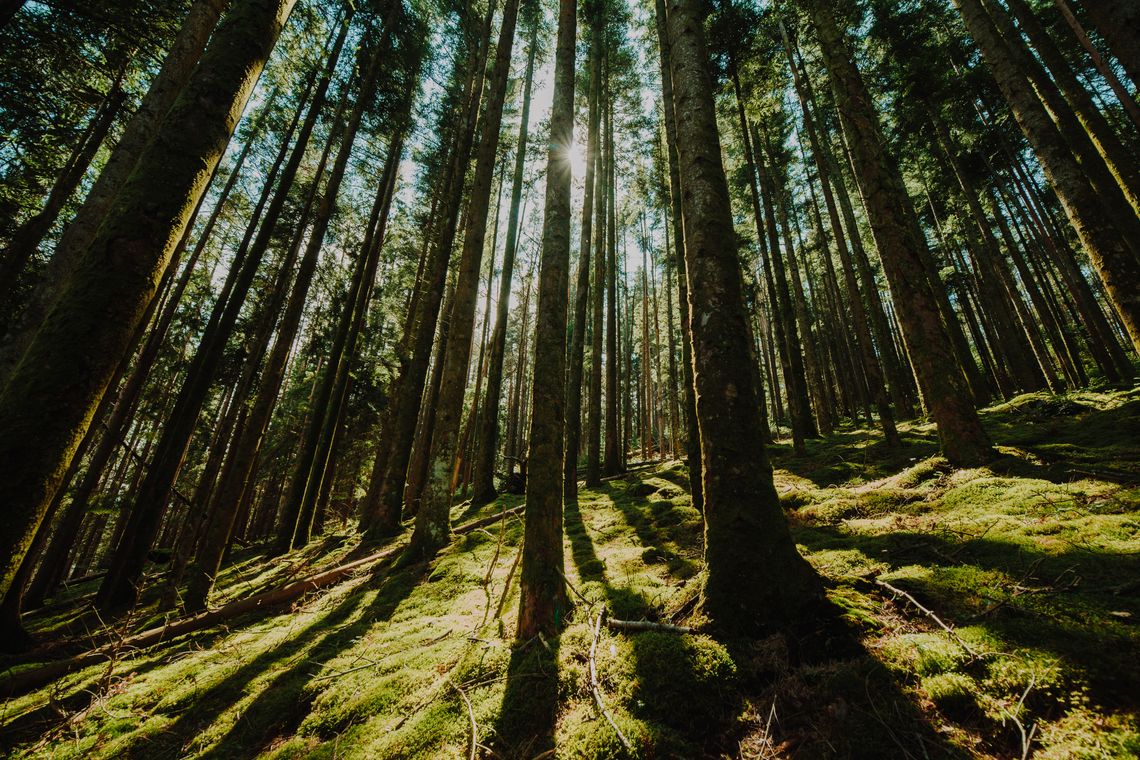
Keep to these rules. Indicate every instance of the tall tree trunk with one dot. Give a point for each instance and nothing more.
(144, 125)
(901, 246)
(383, 511)
(433, 520)
(1116, 20)
(52, 392)
(483, 486)
(300, 499)
(543, 604)
(756, 581)
(692, 430)
(585, 248)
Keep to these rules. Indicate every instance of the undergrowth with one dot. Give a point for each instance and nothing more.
(1031, 564)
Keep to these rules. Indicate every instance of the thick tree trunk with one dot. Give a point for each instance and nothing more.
(902, 245)
(176, 71)
(52, 392)
(756, 581)
(543, 604)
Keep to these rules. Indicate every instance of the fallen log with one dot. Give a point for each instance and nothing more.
(645, 625)
(16, 684)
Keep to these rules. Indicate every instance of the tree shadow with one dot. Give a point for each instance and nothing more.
(283, 704)
(207, 706)
(670, 533)
(528, 717)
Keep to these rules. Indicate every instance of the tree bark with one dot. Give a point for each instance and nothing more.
(543, 604)
(756, 581)
(483, 487)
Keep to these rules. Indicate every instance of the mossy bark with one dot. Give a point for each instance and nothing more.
(756, 581)
(543, 604)
(52, 392)
(902, 248)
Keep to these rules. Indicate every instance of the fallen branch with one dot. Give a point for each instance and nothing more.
(594, 685)
(471, 715)
(929, 613)
(645, 625)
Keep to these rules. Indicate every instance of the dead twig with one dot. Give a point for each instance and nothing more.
(929, 613)
(595, 688)
(471, 715)
(1026, 736)
(645, 625)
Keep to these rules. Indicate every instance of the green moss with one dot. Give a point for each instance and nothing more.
(953, 693)
(684, 682)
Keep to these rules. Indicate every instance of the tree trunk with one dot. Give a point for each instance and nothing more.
(26, 239)
(165, 88)
(692, 431)
(543, 604)
(483, 487)
(585, 249)
(383, 513)
(756, 581)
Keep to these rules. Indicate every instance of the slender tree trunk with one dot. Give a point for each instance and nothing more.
(755, 581)
(483, 487)
(1116, 20)
(119, 589)
(543, 603)
(585, 248)
(384, 512)
(433, 521)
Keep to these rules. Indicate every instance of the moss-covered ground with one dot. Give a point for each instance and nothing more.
(1032, 563)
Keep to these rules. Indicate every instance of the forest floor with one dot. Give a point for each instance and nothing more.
(1032, 565)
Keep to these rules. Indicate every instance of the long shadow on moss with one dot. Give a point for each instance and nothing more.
(1076, 625)
(204, 708)
(667, 530)
(281, 706)
(528, 717)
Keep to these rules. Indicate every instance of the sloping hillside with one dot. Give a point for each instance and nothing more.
(979, 613)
